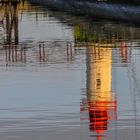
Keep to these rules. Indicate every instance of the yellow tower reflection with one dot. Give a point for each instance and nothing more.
(99, 95)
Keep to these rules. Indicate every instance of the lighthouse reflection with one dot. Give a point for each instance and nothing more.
(101, 102)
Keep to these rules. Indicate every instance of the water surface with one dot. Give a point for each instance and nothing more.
(67, 77)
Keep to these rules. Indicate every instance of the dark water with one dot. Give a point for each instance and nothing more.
(66, 77)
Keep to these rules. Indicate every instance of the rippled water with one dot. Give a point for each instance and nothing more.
(67, 77)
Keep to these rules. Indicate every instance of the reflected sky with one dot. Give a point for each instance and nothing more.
(67, 77)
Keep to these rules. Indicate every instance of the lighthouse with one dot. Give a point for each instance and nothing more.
(100, 100)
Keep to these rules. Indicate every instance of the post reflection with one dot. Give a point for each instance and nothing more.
(101, 102)
(42, 54)
(15, 54)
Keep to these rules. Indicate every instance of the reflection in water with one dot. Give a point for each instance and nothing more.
(9, 17)
(99, 88)
(43, 53)
(124, 52)
(110, 52)
(14, 49)
(14, 54)
(99, 48)
(100, 100)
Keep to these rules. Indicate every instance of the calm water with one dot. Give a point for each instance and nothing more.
(65, 77)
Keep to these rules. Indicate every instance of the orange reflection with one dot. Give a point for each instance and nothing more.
(99, 116)
(101, 103)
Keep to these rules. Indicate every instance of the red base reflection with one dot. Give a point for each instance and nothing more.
(100, 112)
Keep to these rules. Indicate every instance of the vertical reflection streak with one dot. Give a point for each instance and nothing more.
(101, 102)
